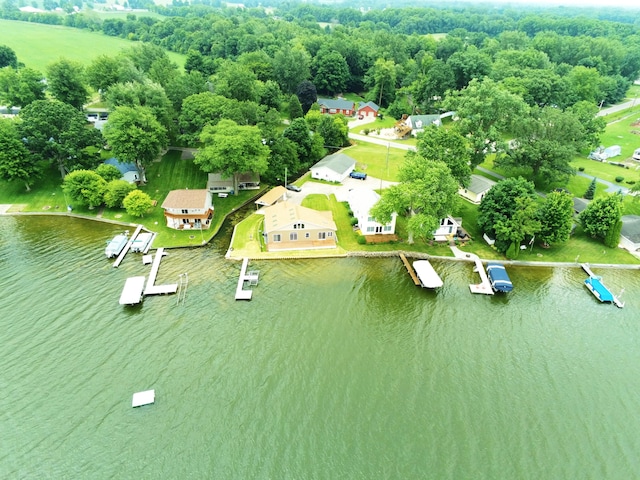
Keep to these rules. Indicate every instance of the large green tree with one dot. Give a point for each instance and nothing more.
(556, 218)
(486, 112)
(57, 132)
(523, 222)
(135, 136)
(331, 72)
(137, 203)
(16, 162)
(546, 141)
(290, 67)
(427, 192)
(67, 83)
(21, 87)
(601, 215)
(85, 187)
(381, 81)
(448, 146)
(499, 205)
(8, 57)
(232, 149)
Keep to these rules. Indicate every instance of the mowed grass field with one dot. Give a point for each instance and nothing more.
(38, 45)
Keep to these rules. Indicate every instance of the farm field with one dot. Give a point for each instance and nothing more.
(37, 45)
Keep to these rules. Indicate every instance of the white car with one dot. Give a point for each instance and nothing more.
(636, 154)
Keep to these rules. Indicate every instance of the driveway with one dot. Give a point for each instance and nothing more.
(341, 191)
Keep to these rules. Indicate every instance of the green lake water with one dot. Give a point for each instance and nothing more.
(338, 368)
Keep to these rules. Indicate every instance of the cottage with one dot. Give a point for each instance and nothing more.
(333, 168)
(449, 228)
(217, 183)
(288, 226)
(630, 234)
(368, 109)
(418, 123)
(129, 171)
(275, 195)
(361, 200)
(478, 187)
(186, 209)
(340, 105)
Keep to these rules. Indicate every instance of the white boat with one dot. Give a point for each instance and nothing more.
(426, 274)
(116, 244)
(142, 242)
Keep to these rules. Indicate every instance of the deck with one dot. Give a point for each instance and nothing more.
(410, 269)
(250, 277)
(132, 291)
(484, 287)
(151, 288)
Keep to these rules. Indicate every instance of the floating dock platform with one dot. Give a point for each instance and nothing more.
(250, 277)
(132, 291)
(143, 398)
(598, 289)
(484, 287)
(150, 288)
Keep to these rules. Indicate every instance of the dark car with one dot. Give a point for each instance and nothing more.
(293, 188)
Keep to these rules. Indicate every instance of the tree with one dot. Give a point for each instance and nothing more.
(499, 205)
(334, 131)
(298, 133)
(233, 80)
(523, 222)
(137, 203)
(468, 65)
(427, 192)
(331, 72)
(85, 187)
(21, 87)
(57, 132)
(486, 112)
(592, 124)
(431, 87)
(105, 71)
(612, 238)
(591, 190)
(66, 82)
(290, 67)
(295, 109)
(307, 95)
(282, 159)
(601, 215)
(546, 141)
(16, 163)
(108, 172)
(8, 57)
(232, 149)
(447, 146)
(135, 136)
(556, 218)
(116, 192)
(381, 80)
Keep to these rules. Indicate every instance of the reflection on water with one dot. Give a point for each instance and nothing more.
(336, 369)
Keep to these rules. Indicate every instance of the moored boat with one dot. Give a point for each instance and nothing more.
(595, 286)
(142, 242)
(428, 277)
(498, 277)
(116, 244)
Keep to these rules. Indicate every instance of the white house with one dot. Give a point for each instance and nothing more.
(448, 229)
(478, 187)
(361, 200)
(419, 122)
(185, 209)
(333, 168)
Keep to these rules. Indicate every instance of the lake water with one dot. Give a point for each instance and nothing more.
(338, 368)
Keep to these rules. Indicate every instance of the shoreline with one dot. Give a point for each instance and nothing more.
(230, 254)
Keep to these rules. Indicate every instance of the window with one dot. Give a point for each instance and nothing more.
(369, 229)
(185, 211)
(371, 219)
(297, 226)
(293, 236)
(185, 220)
(329, 234)
(306, 235)
(276, 237)
(198, 223)
(387, 228)
(322, 235)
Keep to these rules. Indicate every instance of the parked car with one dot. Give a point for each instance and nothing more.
(636, 154)
(293, 188)
(358, 175)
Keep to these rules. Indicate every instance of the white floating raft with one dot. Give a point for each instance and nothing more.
(143, 398)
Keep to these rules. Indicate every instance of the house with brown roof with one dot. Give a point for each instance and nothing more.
(288, 226)
(186, 209)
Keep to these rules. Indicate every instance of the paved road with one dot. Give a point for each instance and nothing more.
(341, 191)
(617, 108)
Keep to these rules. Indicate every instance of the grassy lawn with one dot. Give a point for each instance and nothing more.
(372, 159)
(37, 45)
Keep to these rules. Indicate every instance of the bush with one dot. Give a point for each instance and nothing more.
(350, 212)
(361, 240)
(354, 221)
(366, 131)
(581, 169)
(630, 182)
(619, 179)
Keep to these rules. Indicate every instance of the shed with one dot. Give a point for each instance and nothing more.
(477, 189)
(333, 168)
(272, 196)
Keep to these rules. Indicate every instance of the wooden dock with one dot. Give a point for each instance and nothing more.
(484, 287)
(126, 248)
(251, 277)
(132, 291)
(410, 269)
(151, 288)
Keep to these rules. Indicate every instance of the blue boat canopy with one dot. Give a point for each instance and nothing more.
(498, 277)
